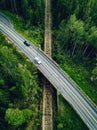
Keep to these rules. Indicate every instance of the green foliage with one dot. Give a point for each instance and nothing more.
(93, 36)
(33, 33)
(2, 82)
(75, 49)
(75, 41)
(67, 118)
(94, 75)
(60, 126)
(81, 75)
(18, 77)
(8, 60)
(94, 72)
(71, 35)
(14, 117)
(93, 12)
(32, 11)
(18, 88)
(4, 97)
(63, 9)
(15, 74)
(17, 117)
(27, 114)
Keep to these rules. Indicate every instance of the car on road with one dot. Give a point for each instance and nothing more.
(37, 60)
(26, 43)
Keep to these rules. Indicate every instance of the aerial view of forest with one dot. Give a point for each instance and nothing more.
(74, 49)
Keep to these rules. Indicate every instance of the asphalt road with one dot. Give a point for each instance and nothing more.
(81, 104)
(5, 20)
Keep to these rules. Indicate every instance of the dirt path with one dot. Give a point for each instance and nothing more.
(47, 36)
(47, 122)
(47, 118)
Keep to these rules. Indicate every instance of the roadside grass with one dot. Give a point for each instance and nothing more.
(68, 118)
(81, 76)
(31, 33)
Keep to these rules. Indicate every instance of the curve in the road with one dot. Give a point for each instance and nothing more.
(5, 20)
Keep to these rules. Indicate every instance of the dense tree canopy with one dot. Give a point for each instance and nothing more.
(31, 10)
(16, 117)
(75, 31)
(18, 88)
(94, 74)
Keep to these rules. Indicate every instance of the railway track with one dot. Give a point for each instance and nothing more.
(48, 89)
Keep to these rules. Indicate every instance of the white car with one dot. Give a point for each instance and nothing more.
(37, 60)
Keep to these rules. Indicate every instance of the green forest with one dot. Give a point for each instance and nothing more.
(19, 89)
(75, 32)
(74, 48)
